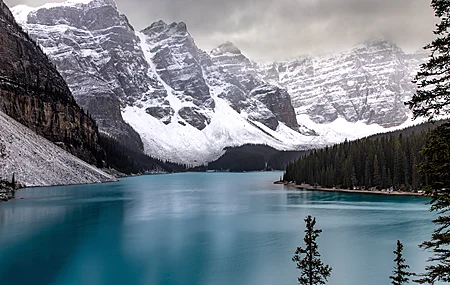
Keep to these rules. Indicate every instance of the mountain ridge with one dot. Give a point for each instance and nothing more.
(33, 92)
(163, 84)
(158, 83)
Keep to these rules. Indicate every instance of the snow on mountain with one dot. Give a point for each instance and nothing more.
(340, 129)
(184, 107)
(96, 51)
(340, 96)
(211, 122)
(369, 84)
(36, 161)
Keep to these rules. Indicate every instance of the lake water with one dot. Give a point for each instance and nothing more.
(202, 229)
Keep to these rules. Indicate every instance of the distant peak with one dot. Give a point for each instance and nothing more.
(89, 3)
(161, 26)
(158, 24)
(227, 47)
(378, 43)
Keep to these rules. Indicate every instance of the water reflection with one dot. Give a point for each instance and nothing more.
(200, 229)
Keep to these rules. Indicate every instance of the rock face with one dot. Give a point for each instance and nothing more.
(33, 92)
(94, 48)
(184, 107)
(229, 58)
(176, 62)
(369, 83)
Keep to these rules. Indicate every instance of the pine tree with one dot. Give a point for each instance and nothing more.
(376, 173)
(400, 274)
(437, 169)
(313, 270)
(432, 98)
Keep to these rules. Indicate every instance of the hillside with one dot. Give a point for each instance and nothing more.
(36, 161)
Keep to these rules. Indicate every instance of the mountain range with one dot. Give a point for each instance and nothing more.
(45, 138)
(156, 91)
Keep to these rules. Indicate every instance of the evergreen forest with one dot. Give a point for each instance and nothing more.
(385, 161)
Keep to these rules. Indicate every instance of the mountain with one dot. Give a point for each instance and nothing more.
(183, 107)
(34, 93)
(94, 48)
(35, 102)
(36, 161)
(369, 83)
(156, 91)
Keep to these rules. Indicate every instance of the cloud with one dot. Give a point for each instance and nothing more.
(281, 29)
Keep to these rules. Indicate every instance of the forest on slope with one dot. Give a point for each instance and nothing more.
(382, 161)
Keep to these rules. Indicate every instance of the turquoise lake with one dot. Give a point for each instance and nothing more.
(202, 229)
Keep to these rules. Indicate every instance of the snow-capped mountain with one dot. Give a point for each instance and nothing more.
(34, 93)
(36, 161)
(96, 51)
(368, 84)
(156, 90)
(184, 107)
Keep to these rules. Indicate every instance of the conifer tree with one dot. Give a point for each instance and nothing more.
(437, 169)
(400, 276)
(432, 98)
(376, 173)
(313, 270)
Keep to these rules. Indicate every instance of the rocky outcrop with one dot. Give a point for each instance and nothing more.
(275, 99)
(176, 61)
(369, 83)
(33, 92)
(95, 49)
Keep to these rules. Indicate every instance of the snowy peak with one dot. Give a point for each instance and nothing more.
(175, 60)
(93, 47)
(188, 105)
(162, 28)
(378, 44)
(92, 15)
(226, 48)
(230, 57)
(368, 83)
(21, 12)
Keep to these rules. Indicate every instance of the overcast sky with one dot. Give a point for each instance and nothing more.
(282, 29)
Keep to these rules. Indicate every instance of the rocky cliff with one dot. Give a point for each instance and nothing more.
(184, 107)
(34, 93)
(94, 48)
(369, 83)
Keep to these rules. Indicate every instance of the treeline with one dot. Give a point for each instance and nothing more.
(253, 157)
(381, 161)
(129, 161)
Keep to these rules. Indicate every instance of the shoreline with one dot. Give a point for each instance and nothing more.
(377, 192)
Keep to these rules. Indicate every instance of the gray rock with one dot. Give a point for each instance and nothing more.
(369, 83)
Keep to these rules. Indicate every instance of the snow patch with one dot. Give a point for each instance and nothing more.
(340, 129)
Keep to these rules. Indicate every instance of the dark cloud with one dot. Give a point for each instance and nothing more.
(281, 29)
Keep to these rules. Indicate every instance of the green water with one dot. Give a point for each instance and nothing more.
(202, 228)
